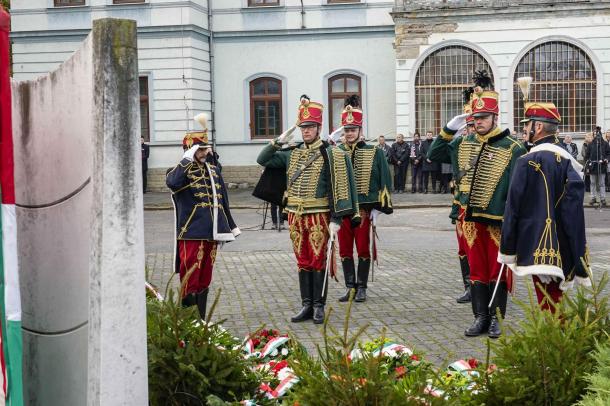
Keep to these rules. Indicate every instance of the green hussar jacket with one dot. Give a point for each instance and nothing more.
(482, 166)
(325, 185)
(372, 176)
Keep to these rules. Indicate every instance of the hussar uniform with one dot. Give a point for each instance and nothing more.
(543, 233)
(320, 190)
(454, 215)
(483, 164)
(203, 220)
(373, 185)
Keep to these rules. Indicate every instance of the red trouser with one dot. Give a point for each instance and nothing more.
(309, 235)
(360, 235)
(462, 246)
(552, 289)
(197, 260)
(482, 245)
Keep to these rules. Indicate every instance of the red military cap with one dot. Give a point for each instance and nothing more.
(546, 112)
(197, 137)
(352, 115)
(484, 102)
(310, 113)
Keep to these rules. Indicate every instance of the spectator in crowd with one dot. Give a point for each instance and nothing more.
(570, 146)
(416, 156)
(145, 155)
(276, 216)
(596, 161)
(430, 169)
(387, 151)
(445, 177)
(400, 155)
(585, 147)
(608, 166)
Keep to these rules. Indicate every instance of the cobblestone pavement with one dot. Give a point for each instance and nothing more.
(412, 297)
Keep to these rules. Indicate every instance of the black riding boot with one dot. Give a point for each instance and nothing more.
(319, 297)
(306, 287)
(499, 303)
(189, 300)
(364, 264)
(202, 302)
(480, 299)
(349, 273)
(465, 297)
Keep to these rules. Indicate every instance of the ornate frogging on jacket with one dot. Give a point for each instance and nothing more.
(199, 197)
(554, 241)
(305, 186)
(326, 185)
(372, 176)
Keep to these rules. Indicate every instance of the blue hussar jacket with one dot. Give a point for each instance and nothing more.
(543, 232)
(201, 202)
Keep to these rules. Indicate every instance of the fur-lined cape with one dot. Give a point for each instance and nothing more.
(481, 79)
(353, 100)
(467, 94)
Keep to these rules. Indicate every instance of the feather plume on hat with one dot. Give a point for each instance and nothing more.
(482, 81)
(202, 119)
(524, 84)
(353, 100)
(467, 94)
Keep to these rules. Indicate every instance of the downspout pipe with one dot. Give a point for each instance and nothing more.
(211, 52)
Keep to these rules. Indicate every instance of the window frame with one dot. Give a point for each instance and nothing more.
(128, 1)
(145, 99)
(565, 86)
(344, 94)
(279, 97)
(475, 56)
(343, 1)
(275, 3)
(77, 3)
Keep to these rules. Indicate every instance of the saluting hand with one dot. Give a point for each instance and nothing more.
(190, 153)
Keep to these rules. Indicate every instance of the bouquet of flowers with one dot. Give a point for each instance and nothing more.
(267, 345)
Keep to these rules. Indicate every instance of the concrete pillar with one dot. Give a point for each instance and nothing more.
(117, 312)
(80, 226)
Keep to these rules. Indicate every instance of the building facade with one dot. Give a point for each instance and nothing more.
(563, 44)
(245, 62)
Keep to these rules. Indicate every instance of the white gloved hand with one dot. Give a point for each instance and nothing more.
(190, 153)
(374, 214)
(286, 135)
(333, 228)
(457, 122)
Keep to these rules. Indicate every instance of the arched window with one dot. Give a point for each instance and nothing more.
(265, 108)
(439, 83)
(340, 87)
(563, 74)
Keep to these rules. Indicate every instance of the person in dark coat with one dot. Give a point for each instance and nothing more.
(543, 233)
(416, 157)
(570, 146)
(400, 156)
(203, 217)
(430, 169)
(145, 155)
(596, 161)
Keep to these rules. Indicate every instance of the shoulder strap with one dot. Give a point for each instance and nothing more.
(300, 170)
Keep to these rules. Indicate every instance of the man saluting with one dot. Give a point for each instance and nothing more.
(320, 193)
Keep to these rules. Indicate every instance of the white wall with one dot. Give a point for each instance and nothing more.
(304, 63)
(504, 45)
(172, 42)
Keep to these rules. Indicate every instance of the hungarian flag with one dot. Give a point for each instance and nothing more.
(10, 301)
